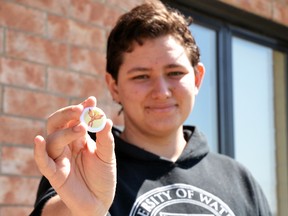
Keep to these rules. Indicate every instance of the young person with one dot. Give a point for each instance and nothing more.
(163, 168)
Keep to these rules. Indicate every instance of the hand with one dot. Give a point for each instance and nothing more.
(82, 172)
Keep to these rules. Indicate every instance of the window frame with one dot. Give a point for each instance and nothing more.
(229, 21)
(215, 15)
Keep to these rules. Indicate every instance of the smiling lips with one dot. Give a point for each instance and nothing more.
(161, 108)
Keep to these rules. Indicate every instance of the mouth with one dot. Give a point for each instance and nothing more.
(162, 108)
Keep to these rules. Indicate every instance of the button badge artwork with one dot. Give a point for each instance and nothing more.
(94, 118)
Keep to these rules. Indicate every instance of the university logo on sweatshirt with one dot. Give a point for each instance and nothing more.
(179, 200)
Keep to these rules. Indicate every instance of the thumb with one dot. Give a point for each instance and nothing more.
(105, 143)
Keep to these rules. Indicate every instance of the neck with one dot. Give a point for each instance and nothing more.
(169, 146)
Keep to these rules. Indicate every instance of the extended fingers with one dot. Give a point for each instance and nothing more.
(90, 101)
(68, 116)
(59, 140)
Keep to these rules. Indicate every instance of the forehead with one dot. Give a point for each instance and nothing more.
(162, 50)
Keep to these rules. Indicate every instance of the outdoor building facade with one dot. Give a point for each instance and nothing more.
(52, 54)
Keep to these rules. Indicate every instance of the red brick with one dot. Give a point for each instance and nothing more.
(262, 8)
(19, 130)
(95, 86)
(107, 17)
(87, 60)
(31, 104)
(258, 7)
(84, 35)
(22, 73)
(1, 93)
(63, 82)
(275, 10)
(75, 84)
(36, 49)
(1, 40)
(18, 161)
(236, 3)
(89, 11)
(81, 9)
(18, 190)
(54, 6)
(76, 33)
(124, 4)
(16, 16)
(58, 27)
(111, 110)
(280, 12)
(284, 2)
(15, 211)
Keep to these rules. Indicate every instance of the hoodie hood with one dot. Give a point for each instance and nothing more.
(195, 149)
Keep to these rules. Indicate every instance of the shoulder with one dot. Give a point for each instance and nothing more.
(235, 174)
(225, 165)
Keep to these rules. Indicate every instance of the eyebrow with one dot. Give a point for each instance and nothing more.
(144, 69)
(173, 66)
(139, 69)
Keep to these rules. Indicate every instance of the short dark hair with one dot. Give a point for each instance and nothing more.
(148, 21)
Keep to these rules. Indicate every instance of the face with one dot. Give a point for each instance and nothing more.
(156, 86)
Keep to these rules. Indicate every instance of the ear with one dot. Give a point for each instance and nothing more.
(199, 76)
(112, 86)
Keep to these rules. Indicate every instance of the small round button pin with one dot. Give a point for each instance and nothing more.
(94, 118)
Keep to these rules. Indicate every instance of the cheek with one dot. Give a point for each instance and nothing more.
(186, 97)
(130, 95)
(185, 88)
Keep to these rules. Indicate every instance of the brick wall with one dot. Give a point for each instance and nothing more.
(52, 54)
(275, 10)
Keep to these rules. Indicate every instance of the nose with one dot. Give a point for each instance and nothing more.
(161, 88)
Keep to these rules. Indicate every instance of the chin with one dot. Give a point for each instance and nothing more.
(164, 127)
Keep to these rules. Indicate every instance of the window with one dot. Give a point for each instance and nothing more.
(242, 104)
(253, 112)
(206, 39)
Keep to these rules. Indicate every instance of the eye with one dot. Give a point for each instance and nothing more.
(176, 73)
(140, 77)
